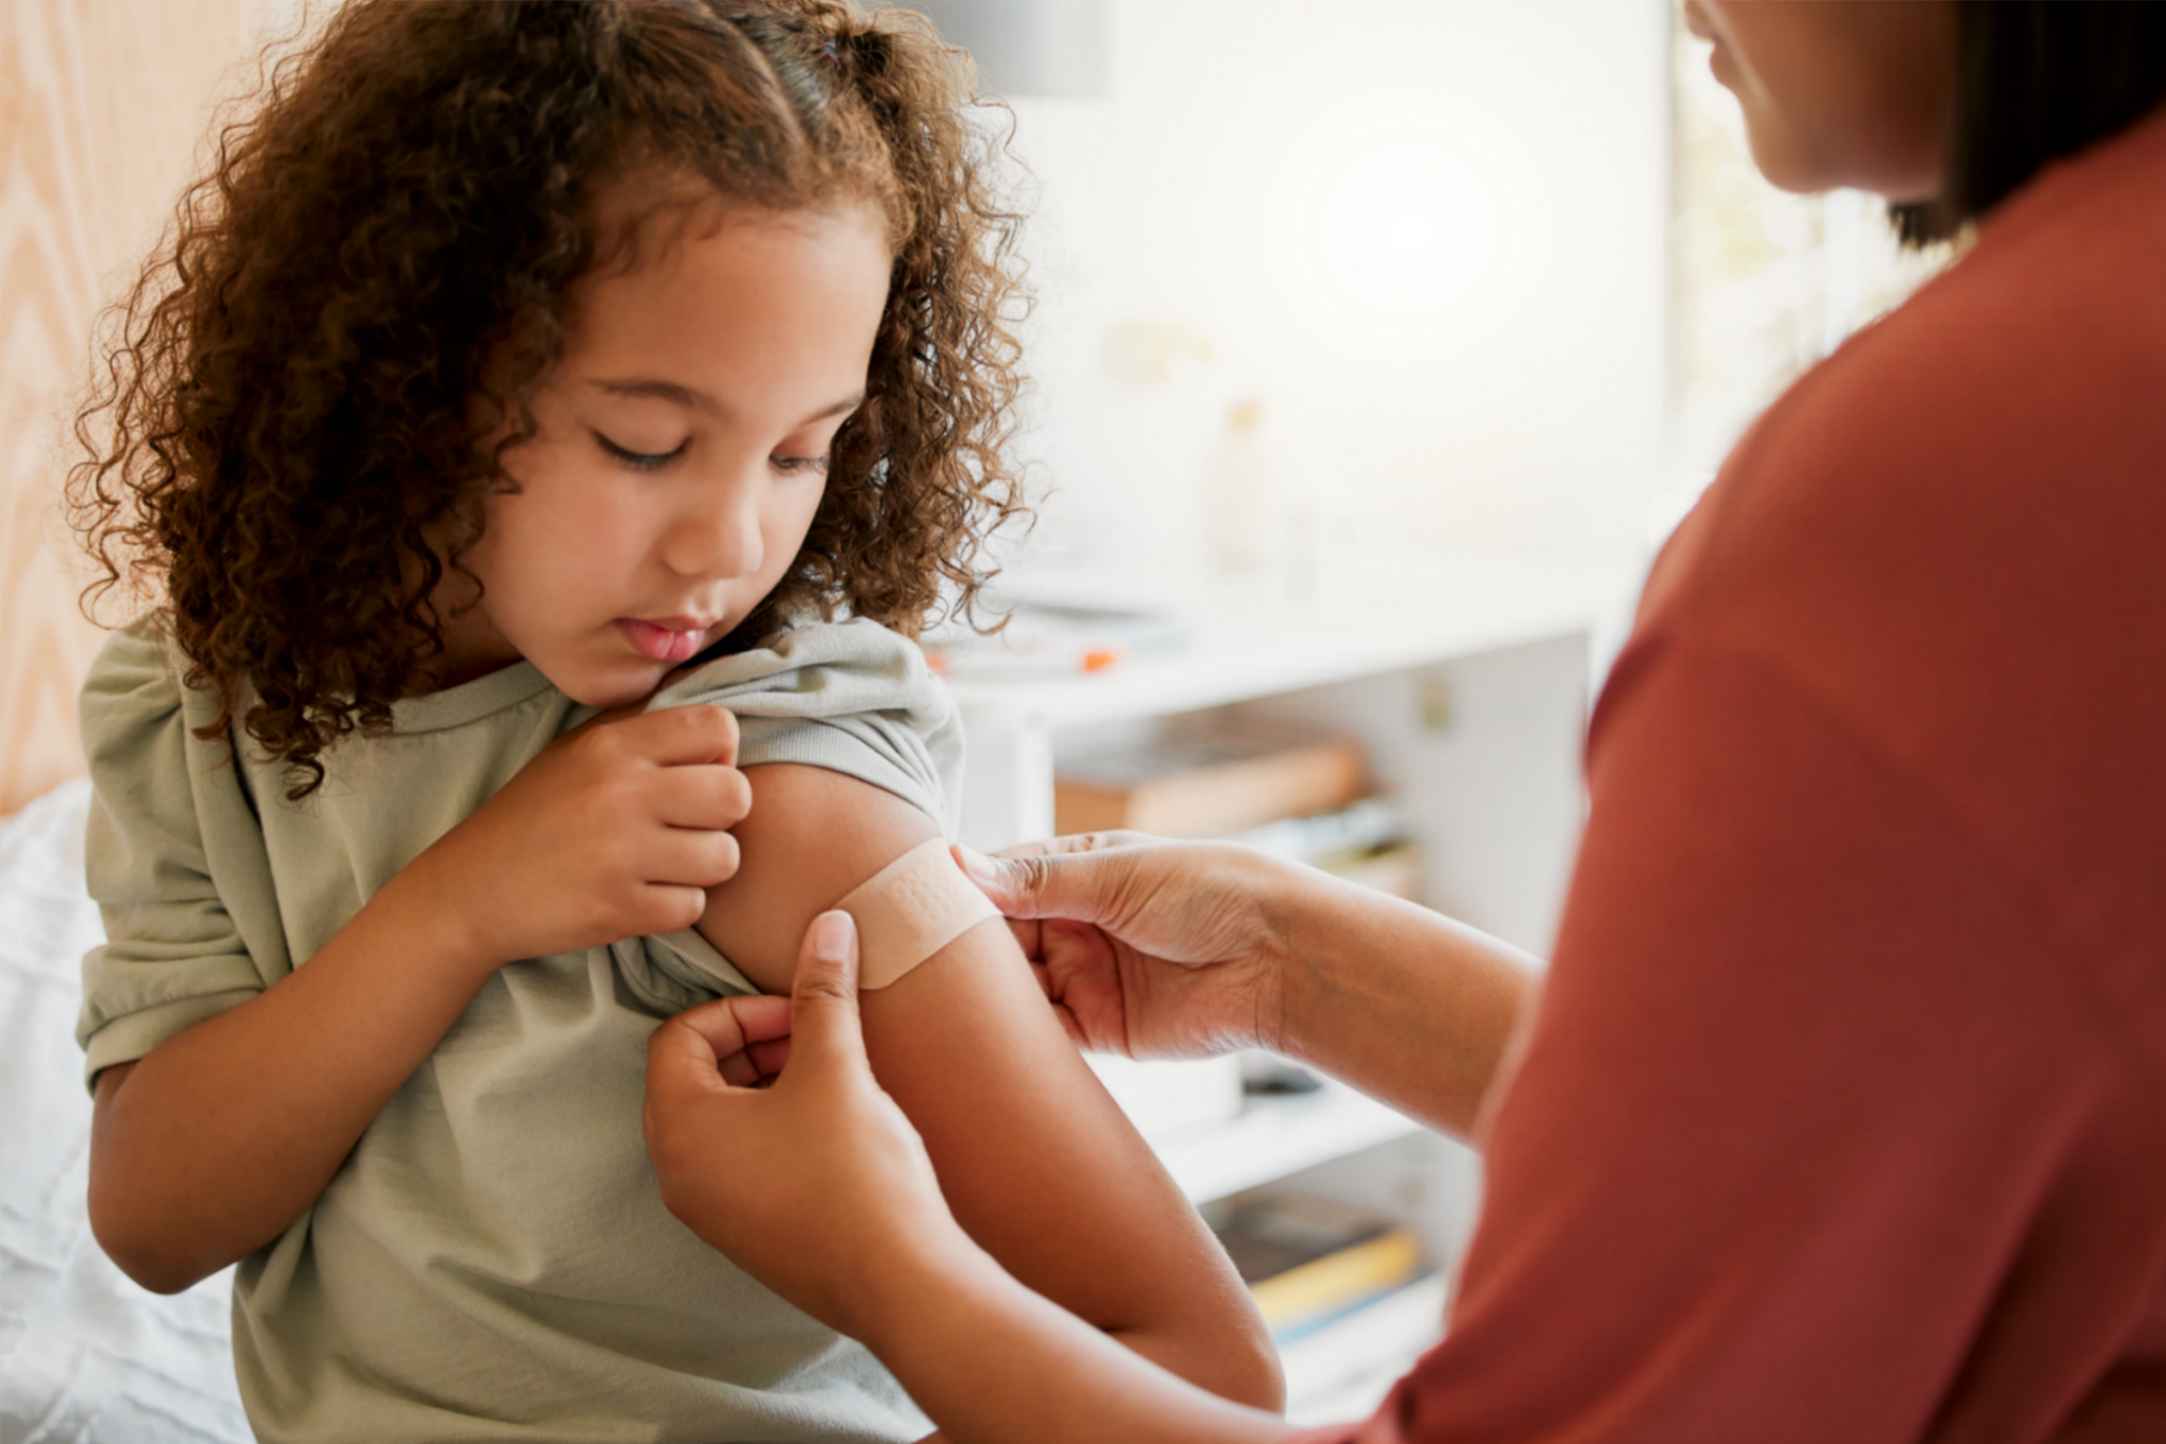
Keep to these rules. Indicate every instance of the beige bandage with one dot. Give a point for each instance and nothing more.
(911, 909)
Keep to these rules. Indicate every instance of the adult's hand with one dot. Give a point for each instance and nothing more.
(1150, 948)
(773, 1142)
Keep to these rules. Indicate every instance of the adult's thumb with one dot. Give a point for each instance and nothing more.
(1020, 887)
(1069, 877)
(824, 1021)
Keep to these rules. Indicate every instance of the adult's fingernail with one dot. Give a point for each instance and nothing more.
(833, 933)
(977, 864)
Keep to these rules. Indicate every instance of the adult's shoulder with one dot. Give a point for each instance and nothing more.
(1989, 448)
(1944, 537)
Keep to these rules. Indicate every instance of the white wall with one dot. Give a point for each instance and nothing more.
(1428, 233)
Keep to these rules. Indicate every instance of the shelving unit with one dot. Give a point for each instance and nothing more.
(1471, 700)
(1276, 1136)
(1246, 648)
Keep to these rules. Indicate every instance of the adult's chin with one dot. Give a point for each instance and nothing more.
(1781, 157)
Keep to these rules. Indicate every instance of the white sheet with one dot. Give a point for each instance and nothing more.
(86, 1357)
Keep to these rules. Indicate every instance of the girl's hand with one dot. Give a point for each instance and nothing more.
(812, 1180)
(612, 831)
(1149, 948)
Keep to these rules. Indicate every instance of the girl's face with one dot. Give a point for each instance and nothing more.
(681, 451)
(1838, 94)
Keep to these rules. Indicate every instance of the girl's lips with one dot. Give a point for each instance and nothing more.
(660, 644)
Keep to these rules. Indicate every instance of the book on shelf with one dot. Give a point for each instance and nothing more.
(1361, 827)
(1395, 868)
(1366, 842)
(1208, 784)
(1311, 1261)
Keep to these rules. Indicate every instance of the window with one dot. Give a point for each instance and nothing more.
(1762, 284)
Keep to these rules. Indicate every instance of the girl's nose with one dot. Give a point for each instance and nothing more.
(718, 538)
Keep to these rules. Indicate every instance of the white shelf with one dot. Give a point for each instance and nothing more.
(1245, 646)
(1277, 1135)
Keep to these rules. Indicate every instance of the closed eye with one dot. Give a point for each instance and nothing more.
(796, 465)
(641, 460)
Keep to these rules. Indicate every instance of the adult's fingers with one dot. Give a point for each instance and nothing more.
(681, 1060)
(735, 1037)
(1063, 877)
(825, 1029)
(1072, 842)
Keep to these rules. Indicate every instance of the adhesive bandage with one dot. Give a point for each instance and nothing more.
(911, 909)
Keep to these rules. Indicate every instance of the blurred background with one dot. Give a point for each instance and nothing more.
(1328, 295)
(1375, 349)
(1400, 266)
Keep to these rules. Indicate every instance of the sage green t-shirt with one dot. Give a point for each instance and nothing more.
(493, 1262)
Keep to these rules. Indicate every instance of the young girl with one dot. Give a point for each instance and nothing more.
(512, 358)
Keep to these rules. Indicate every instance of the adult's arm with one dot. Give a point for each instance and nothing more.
(1403, 1002)
(1171, 949)
(1791, 1116)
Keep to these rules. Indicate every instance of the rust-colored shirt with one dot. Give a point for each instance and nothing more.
(1843, 1118)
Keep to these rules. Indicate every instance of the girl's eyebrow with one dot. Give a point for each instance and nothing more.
(694, 400)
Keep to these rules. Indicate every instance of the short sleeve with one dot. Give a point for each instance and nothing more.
(174, 954)
(851, 697)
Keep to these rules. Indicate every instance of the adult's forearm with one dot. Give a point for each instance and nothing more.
(992, 1362)
(211, 1145)
(1176, 1355)
(1399, 1001)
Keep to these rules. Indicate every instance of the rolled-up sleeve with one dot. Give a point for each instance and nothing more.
(173, 955)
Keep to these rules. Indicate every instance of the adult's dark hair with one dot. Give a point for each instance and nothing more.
(309, 389)
(2037, 80)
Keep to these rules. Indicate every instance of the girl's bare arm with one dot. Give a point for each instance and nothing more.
(1037, 1162)
(205, 1150)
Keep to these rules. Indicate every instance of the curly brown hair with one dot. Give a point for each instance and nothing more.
(308, 391)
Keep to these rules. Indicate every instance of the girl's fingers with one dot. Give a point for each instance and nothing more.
(695, 734)
(692, 857)
(671, 907)
(710, 797)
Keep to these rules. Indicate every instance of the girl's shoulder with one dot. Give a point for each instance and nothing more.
(819, 670)
(853, 697)
(135, 696)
